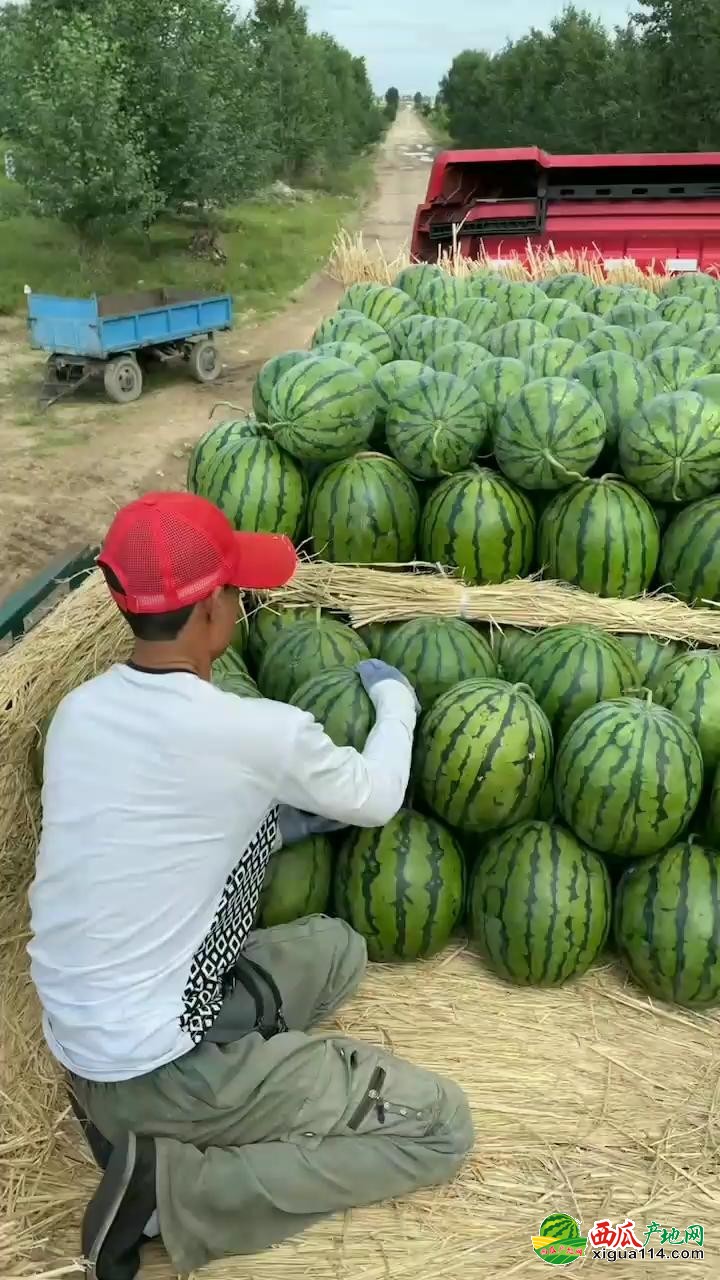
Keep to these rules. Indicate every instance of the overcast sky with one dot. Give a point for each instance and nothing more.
(411, 43)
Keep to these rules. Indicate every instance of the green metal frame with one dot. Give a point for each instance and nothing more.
(67, 571)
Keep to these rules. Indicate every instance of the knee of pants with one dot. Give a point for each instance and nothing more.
(350, 947)
(455, 1118)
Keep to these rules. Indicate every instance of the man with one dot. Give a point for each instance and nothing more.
(219, 1122)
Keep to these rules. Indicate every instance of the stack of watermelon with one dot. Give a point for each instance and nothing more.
(501, 428)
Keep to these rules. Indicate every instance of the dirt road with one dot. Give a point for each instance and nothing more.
(66, 471)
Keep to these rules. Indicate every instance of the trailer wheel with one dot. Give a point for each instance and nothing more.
(204, 361)
(123, 379)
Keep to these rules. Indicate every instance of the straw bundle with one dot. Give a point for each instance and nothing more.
(351, 260)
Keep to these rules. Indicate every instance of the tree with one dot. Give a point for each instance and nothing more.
(392, 102)
(419, 101)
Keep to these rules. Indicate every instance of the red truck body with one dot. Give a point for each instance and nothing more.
(660, 211)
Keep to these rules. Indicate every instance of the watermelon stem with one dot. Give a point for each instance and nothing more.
(555, 462)
(676, 479)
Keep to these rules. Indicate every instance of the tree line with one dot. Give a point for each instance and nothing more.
(116, 112)
(577, 87)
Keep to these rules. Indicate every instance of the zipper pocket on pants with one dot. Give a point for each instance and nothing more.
(372, 1099)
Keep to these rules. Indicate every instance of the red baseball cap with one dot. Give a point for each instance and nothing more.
(169, 550)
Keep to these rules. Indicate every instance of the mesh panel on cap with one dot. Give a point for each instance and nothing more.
(168, 560)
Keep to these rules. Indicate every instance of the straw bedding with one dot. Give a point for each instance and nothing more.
(588, 1100)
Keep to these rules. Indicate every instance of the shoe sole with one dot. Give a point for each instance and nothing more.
(109, 1197)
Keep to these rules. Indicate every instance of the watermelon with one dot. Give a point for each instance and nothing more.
(630, 315)
(297, 882)
(549, 433)
(603, 297)
(379, 302)
(540, 905)
(509, 645)
(619, 383)
(411, 279)
(338, 701)
(364, 510)
(392, 378)
(479, 314)
(214, 439)
(478, 522)
(322, 410)
(601, 535)
(708, 387)
(440, 296)
(684, 311)
(553, 358)
(550, 311)
(713, 812)
(437, 653)
(670, 449)
(641, 296)
(401, 886)
(257, 485)
(436, 425)
(352, 353)
(301, 651)
(690, 560)
(698, 285)
(515, 300)
(612, 337)
(497, 380)
(484, 755)
(266, 623)
(270, 373)
(628, 777)
(660, 333)
(577, 327)
(230, 674)
(375, 635)
(405, 331)
(667, 924)
(241, 631)
(514, 337)
(461, 358)
(690, 687)
(353, 326)
(651, 656)
(571, 668)
(673, 367)
(571, 285)
(431, 336)
(707, 342)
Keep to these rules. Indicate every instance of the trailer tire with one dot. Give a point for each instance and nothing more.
(204, 361)
(123, 379)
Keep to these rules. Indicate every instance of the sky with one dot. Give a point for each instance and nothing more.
(411, 43)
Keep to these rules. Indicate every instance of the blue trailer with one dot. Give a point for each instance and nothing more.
(113, 335)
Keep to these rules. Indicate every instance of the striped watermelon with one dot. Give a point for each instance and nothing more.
(401, 886)
(437, 653)
(699, 285)
(690, 688)
(628, 777)
(550, 311)
(484, 755)
(497, 380)
(673, 367)
(297, 882)
(670, 449)
(660, 333)
(214, 439)
(269, 374)
(540, 905)
(707, 342)
(612, 337)
(338, 701)
(487, 284)
(509, 645)
(709, 387)
(651, 656)
(353, 326)
(601, 535)
(230, 674)
(411, 279)
(548, 434)
(301, 651)
(478, 522)
(364, 510)
(429, 337)
(667, 924)
(642, 297)
(690, 559)
(352, 353)
(572, 285)
(577, 327)
(684, 311)
(630, 315)
(571, 668)
(322, 410)
(479, 314)
(379, 302)
(603, 298)
(461, 358)
(392, 378)
(375, 635)
(515, 299)
(405, 331)
(553, 358)
(440, 296)
(619, 383)
(712, 819)
(258, 486)
(514, 337)
(436, 425)
(267, 622)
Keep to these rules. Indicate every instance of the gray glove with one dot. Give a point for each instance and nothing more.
(296, 825)
(373, 672)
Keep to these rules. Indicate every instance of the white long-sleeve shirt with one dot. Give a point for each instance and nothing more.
(160, 798)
